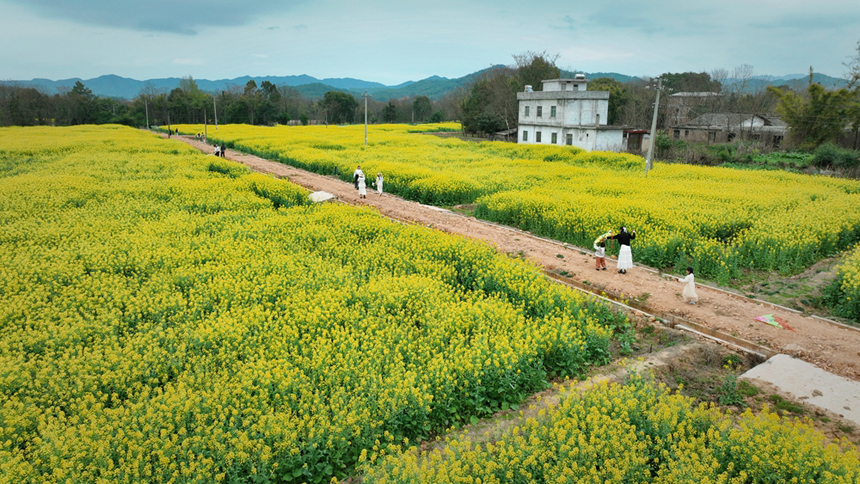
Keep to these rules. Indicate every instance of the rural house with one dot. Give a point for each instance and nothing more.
(725, 127)
(565, 113)
(682, 107)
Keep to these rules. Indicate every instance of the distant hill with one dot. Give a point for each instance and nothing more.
(125, 88)
(310, 87)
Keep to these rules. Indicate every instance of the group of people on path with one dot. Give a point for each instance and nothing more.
(361, 183)
(625, 260)
(220, 150)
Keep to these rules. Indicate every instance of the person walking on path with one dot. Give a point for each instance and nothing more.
(355, 176)
(600, 251)
(358, 178)
(378, 183)
(223, 151)
(689, 294)
(362, 186)
(625, 255)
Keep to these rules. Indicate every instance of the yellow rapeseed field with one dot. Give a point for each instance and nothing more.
(168, 317)
(718, 220)
(844, 293)
(636, 433)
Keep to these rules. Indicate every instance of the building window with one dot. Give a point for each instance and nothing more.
(686, 133)
(676, 134)
(554, 138)
(537, 133)
(731, 137)
(552, 112)
(777, 140)
(569, 139)
(712, 137)
(527, 111)
(525, 135)
(539, 111)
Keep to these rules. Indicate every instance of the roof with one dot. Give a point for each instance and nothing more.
(718, 120)
(694, 94)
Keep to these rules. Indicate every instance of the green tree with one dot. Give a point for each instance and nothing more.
(82, 104)
(490, 104)
(251, 100)
(421, 107)
(389, 113)
(198, 101)
(815, 119)
(339, 107)
(618, 96)
(533, 68)
(690, 82)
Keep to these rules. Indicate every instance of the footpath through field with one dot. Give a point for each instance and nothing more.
(831, 347)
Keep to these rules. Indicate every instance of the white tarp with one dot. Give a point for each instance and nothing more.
(318, 197)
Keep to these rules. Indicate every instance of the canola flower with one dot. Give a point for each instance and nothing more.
(632, 433)
(168, 317)
(843, 295)
(717, 220)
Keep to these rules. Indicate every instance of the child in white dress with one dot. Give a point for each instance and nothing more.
(689, 293)
(379, 183)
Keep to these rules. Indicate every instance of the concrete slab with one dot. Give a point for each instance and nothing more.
(810, 384)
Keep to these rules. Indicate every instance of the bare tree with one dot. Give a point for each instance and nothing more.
(853, 65)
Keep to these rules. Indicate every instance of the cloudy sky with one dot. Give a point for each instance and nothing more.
(396, 41)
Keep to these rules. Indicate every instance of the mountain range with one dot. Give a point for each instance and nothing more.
(310, 87)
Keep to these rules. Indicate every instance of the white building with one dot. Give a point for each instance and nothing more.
(565, 113)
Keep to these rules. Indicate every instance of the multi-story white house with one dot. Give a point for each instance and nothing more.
(565, 113)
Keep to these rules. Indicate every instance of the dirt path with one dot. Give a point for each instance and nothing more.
(833, 348)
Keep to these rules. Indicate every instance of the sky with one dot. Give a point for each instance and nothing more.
(397, 41)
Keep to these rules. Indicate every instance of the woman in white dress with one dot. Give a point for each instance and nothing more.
(362, 186)
(625, 255)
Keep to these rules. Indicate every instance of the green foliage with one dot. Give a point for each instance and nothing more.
(389, 112)
(618, 96)
(421, 107)
(831, 155)
(339, 107)
(817, 118)
(690, 82)
(665, 144)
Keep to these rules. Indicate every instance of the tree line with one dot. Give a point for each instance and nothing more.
(266, 104)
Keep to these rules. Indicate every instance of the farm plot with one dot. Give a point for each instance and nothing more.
(718, 220)
(169, 317)
(632, 433)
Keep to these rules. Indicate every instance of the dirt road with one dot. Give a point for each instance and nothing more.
(833, 348)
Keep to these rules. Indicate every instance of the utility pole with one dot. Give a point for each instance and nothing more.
(215, 108)
(653, 127)
(365, 117)
(146, 108)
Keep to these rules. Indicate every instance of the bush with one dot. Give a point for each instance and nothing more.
(830, 155)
